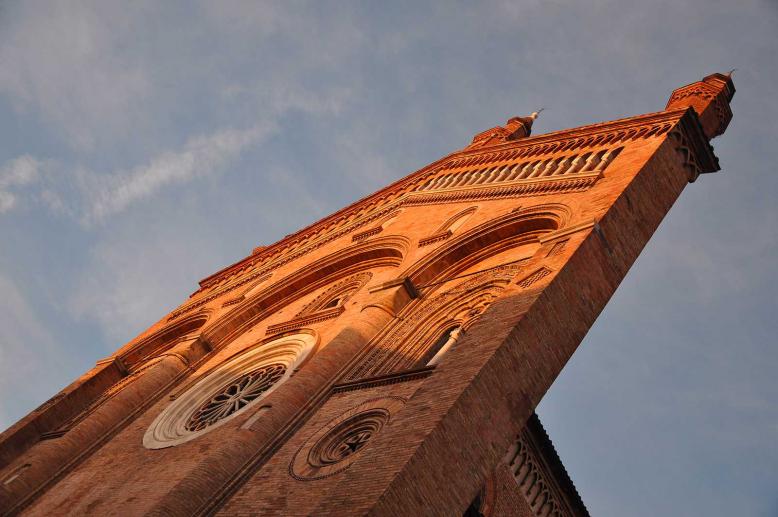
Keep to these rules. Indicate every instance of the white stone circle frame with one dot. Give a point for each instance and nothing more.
(169, 428)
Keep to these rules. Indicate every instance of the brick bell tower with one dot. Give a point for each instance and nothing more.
(387, 359)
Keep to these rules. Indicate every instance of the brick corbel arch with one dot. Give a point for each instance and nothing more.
(382, 252)
(488, 239)
(149, 347)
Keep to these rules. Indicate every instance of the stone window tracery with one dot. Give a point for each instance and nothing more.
(229, 390)
(236, 395)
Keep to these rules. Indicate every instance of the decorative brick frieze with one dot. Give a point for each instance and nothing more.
(511, 172)
(432, 239)
(361, 236)
(379, 204)
(534, 277)
(384, 380)
(304, 321)
(539, 187)
(259, 276)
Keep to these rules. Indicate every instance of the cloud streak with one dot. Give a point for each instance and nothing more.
(93, 197)
(200, 157)
(14, 175)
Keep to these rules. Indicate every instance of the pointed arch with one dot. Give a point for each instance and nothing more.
(381, 252)
(337, 294)
(147, 348)
(411, 341)
(489, 238)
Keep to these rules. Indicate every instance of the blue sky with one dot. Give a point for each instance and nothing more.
(145, 145)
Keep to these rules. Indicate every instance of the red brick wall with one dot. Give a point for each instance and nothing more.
(437, 449)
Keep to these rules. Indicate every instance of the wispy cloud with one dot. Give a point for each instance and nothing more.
(201, 156)
(15, 174)
(92, 197)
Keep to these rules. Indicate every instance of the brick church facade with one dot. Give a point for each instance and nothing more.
(386, 360)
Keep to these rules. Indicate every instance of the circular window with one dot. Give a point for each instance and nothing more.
(334, 447)
(228, 391)
(235, 395)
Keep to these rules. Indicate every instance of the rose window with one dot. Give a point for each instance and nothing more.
(229, 390)
(234, 396)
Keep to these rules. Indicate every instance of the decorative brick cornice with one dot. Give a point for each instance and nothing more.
(361, 236)
(691, 141)
(380, 203)
(535, 188)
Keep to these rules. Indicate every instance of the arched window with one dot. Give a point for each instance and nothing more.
(332, 303)
(337, 294)
(441, 346)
